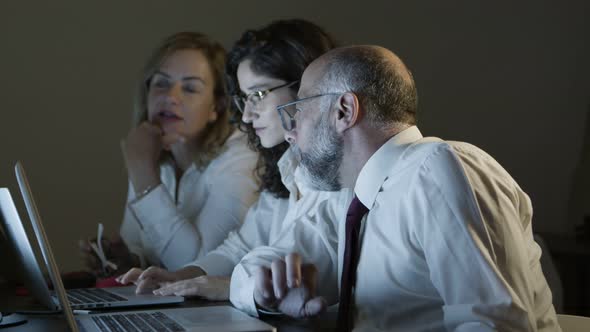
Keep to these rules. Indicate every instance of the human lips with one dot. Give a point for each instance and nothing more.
(167, 116)
(258, 129)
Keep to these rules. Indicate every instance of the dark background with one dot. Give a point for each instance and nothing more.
(511, 77)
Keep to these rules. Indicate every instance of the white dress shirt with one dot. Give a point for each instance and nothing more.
(307, 220)
(168, 229)
(447, 243)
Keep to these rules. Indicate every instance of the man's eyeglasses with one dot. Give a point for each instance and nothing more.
(287, 111)
(256, 96)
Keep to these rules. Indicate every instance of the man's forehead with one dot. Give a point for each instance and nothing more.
(310, 80)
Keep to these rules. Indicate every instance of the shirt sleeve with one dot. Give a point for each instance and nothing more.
(313, 235)
(253, 233)
(177, 240)
(475, 245)
(131, 232)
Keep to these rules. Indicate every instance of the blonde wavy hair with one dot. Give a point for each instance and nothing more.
(215, 133)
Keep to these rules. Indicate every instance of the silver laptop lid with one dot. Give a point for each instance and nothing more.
(58, 286)
(19, 241)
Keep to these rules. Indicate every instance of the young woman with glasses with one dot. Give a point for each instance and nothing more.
(263, 71)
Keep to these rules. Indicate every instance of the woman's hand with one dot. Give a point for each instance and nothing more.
(89, 258)
(153, 277)
(209, 287)
(142, 150)
(115, 251)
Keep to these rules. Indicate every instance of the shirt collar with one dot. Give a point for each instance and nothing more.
(287, 167)
(168, 170)
(301, 182)
(375, 171)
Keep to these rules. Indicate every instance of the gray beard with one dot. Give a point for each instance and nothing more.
(321, 164)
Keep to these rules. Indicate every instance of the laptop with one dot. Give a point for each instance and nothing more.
(210, 318)
(82, 298)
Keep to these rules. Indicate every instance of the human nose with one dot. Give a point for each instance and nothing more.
(248, 115)
(173, 94)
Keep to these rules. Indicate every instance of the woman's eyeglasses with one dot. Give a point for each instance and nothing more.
(256, 96)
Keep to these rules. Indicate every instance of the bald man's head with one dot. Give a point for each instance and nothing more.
(381, 81)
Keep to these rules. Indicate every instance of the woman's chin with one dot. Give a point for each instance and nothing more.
(269, 143)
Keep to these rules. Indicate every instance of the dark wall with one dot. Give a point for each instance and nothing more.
(511, 78)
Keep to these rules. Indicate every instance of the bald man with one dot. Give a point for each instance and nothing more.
(439, 236)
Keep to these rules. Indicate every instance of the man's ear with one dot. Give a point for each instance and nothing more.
(348, 112)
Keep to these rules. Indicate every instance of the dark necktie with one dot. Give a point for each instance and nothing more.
(355, 214)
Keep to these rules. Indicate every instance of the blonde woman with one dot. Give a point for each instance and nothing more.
(190, 172)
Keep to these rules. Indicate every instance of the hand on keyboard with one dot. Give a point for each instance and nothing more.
(154, 277)
(209, 287)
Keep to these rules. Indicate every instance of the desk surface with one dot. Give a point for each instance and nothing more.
(56, 322)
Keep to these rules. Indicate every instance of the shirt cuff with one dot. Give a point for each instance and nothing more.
(153, 207)
(241, 291)
(214, 265)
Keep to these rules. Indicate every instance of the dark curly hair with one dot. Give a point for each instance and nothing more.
(281, 50)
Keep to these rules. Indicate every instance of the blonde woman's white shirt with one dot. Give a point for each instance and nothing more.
(274, 226)
(447, 244)
(177, 222)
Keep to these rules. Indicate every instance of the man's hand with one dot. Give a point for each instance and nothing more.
(209, 287)
(290, 287)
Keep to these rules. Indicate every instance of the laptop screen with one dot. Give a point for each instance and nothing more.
(58, 286)
(21, 245)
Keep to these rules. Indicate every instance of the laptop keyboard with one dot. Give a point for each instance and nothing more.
(91, 296)
(141, 322)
